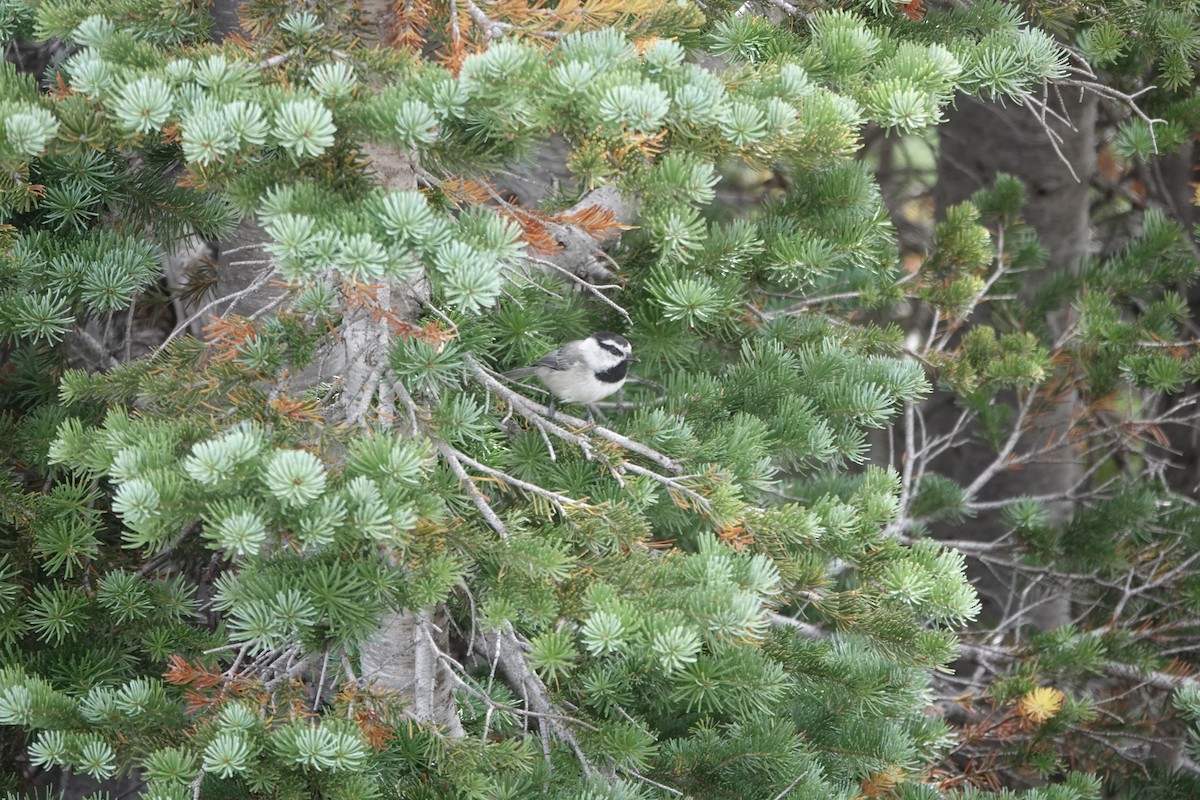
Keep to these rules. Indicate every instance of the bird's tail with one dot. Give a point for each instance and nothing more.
(517, 374)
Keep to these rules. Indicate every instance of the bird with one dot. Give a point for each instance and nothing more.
(582, 370)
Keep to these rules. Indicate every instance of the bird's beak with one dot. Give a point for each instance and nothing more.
(634, 359)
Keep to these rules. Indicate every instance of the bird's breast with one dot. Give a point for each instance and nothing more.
(590, 391)
(581, 385)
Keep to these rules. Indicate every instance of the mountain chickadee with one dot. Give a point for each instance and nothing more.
(583, 370)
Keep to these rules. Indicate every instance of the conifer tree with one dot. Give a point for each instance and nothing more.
(215, 550)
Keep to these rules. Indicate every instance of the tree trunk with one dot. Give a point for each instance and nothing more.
(982, 139)
(1171, 180)
(978, 141)
(403, 655)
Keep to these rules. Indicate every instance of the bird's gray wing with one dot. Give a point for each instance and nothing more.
(560, 359)
(556, 360)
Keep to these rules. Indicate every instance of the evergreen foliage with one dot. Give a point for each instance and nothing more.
(713, 593)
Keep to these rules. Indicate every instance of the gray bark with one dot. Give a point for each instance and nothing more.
(224, 16)
(404, 654)
(1171, 181)
(401, 658)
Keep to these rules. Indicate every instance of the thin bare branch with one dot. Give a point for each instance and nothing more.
(232, 298)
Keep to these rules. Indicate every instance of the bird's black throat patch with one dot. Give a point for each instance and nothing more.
(614, 374)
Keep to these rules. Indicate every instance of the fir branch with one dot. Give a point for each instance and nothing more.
(997, 273)
(560, 501)
(129, 316)
(274, 61)
(455, 34)
(480, 502)
(624, 770)
(458, 672)
(790, 786)
(539, 415)
(807, 630)
(316, 704)
(673, 485)
(575, 256)
(1118, 669)
(164, 555)
(1040, 109)
(1073, 494)
(509, 652)
(1127, 99)
(97, 349)
(908, 466)
(456, 466)
(196, 783)
(410, 405)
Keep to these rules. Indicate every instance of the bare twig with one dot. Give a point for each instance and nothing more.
(232, 298)
(1002, 460)
(480, 502)
(591, 288)
(492, 29)
(790, 786)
